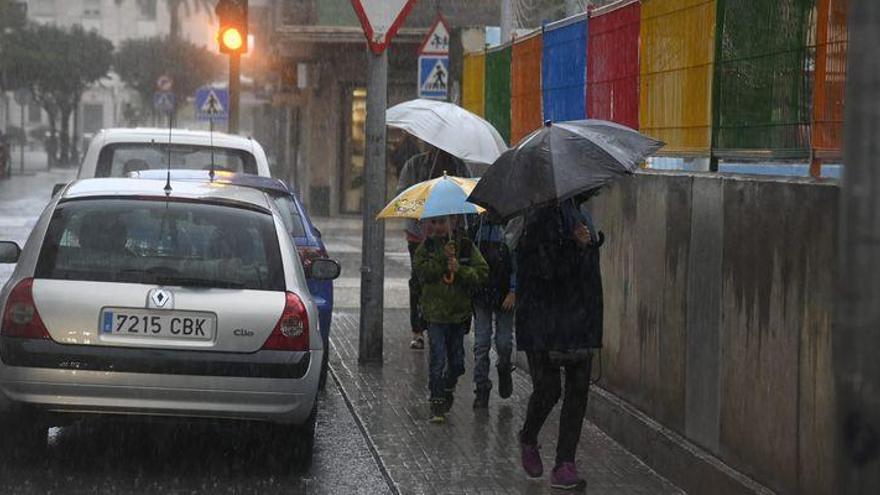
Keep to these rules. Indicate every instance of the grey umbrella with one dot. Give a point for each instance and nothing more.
(560, 161)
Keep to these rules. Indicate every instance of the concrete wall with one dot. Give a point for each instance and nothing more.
(718, 296)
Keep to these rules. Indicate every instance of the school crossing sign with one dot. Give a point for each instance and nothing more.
(434, 62)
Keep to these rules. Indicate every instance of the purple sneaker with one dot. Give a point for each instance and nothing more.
(565, 477)
(531, 460)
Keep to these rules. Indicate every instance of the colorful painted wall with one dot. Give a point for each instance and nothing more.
(724, 78)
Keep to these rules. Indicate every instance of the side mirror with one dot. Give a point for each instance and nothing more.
(9, 252)
(323, 269)
(56, 188)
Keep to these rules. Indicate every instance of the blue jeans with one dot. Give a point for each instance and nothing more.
(446, 357)
(483, 319)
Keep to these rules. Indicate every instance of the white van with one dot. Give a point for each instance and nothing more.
(118, 152)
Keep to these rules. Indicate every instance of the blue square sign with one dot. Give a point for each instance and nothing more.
(434, 76)
(212, 104)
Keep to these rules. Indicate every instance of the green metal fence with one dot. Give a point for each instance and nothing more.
(498, 90)
(762, 88)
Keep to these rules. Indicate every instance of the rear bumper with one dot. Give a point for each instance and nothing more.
(73, 391)
(34, 353)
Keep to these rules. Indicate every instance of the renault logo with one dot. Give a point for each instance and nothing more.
(160, 298)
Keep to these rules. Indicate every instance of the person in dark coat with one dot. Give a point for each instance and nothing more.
(558, 325)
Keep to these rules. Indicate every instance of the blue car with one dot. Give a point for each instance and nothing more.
(305, 235)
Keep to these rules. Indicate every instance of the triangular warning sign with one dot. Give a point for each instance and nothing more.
(212, 104)
(381, 19)
(438, 78)
(437, 40)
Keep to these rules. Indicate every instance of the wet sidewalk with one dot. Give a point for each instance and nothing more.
(471, 452)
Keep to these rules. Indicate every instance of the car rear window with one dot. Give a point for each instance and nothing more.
(120, 159)
(162, 242)
(290, 215)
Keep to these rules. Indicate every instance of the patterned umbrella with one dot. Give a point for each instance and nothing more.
(438, 197)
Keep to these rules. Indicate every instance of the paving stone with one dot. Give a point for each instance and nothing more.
(472, 452)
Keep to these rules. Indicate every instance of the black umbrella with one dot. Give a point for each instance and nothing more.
(560, 161)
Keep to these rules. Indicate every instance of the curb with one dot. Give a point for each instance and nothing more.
(671, 455)
(392, 487)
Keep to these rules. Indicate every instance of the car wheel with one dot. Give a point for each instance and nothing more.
(21, 437)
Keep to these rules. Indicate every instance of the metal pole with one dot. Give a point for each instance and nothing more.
(856, 334)
(373, 264)
(506, 20)
(23, 141)
(234, 90)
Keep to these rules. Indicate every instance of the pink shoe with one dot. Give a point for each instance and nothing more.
(565, 477)
(531, 460)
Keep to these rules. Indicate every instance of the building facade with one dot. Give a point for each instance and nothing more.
(320, 96)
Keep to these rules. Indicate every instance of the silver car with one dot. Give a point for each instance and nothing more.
(130, 300)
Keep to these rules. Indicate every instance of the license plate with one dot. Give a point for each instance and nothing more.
(184, 325)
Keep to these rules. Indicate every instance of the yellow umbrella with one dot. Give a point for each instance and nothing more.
(438, 197)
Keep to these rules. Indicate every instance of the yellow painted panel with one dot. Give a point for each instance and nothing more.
(473, 80)
(676, 66)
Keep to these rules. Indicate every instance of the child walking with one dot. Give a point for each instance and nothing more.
(493, 311)
(450, 269)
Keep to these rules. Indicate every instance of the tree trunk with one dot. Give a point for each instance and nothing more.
(64, 138)
(74, 137)
(52, 141)
(174, 18)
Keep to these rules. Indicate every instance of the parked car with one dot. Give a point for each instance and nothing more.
(305, 235)
(130, 300)
(117, 152)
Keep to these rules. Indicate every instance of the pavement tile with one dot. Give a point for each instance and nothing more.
(471, 452)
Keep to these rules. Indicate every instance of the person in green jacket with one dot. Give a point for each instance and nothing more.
(451, 269)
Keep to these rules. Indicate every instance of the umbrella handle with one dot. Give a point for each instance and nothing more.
(448, 278)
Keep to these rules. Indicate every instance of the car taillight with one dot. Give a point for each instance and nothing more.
(291, 333)
(307, 254)
(21, 318)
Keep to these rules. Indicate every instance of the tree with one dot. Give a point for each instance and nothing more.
(57, 66)
(174, 6)
(12, 18)
(140, 63)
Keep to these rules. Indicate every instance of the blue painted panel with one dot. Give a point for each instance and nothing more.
(564, 72)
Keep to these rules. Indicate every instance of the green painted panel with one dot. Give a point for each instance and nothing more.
(498, 90)
(762, 91)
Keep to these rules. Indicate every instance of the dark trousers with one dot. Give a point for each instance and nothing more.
(417, 323)
(446, 341)
(546, 391)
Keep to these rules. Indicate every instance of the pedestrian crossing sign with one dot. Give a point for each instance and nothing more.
(212, 104)
(434, 76)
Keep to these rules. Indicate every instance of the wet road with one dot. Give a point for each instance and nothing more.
(103, 457)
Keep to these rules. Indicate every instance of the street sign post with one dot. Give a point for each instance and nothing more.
(164, 101)
(212, 104)
(380, 20)
(434, 62)
(434, 77)
(164, 83)
(437, 40)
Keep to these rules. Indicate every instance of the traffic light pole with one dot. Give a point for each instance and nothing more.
(373, 260)
(234, 90)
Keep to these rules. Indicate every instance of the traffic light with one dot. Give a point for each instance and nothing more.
(233, 34)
